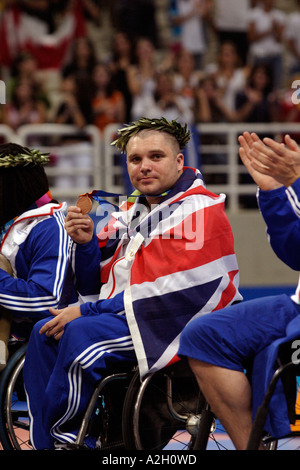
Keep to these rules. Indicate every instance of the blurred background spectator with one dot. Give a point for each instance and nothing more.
(210, 49)
(186, 77)
(256, 102)
(108, 104)
(230, 22)
(229, 73)
(74, 151)
(136, 18)
(45, 29)
(121, 58)
(190, 18)
(75, 106)
(265, 33)
(82, 58)
(141, 75)
(165, 101)
(292, 36)
(26, 105)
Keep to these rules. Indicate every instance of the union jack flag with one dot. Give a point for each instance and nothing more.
(181, 264)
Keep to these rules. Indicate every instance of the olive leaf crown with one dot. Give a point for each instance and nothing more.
(23, 158)
(174, 128)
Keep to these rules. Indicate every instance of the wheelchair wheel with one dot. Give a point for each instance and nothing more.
(14, 418)
(211, 435)
(163, 411)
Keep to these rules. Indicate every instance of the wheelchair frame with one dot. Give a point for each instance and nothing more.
(12, 419)
(257, 431)
(136, 397)
(200, 424)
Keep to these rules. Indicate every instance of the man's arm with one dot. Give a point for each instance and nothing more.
(275, 168)
(86, 254)
(279, 210)
(280, 161)
(41, 270)
(79, 226)
(249, 156)
(86, 267)
(55, 326)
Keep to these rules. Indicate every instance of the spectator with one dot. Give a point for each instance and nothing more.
(25, 106)
(175, 29)
(293, 39)
(192, 17)
(136, 18)
(91, 11)
(230, 24)
(257, 102)
(75, 107)
(47, 40)
(82, 59)
(43, 10)
(75, 151)
(25, 68)
(208, 110)
(207, 107)
(120, 61)
(229, 74)
(141, 76)
(108, 103)
(166, 101)
(265, 31)
(186, 77)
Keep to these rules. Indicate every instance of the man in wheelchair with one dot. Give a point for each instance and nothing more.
(33, 244)
(221, 346)
(167, 256)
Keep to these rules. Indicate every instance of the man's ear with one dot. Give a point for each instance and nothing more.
(180, 161)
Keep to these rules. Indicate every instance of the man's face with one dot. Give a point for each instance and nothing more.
(153, 163)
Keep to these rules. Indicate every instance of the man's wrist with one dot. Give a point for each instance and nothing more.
(291, 181)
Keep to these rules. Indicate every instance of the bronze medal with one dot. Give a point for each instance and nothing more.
(85, 204)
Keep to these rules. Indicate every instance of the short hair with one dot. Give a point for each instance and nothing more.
(180, 132)
(22, 179)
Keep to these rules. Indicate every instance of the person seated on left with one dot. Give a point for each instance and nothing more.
(33, 244)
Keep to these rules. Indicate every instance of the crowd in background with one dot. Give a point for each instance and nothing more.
(250, 79)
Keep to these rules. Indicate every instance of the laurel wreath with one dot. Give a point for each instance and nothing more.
(22, 159)
(180, 132)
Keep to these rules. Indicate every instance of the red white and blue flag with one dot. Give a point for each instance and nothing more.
(180, 264)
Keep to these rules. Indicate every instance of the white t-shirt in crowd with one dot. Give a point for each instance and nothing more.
(192, 30)
(292, 32)
(268, 45)
(231, 15)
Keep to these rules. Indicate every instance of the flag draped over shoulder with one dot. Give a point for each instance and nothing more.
(181, 264)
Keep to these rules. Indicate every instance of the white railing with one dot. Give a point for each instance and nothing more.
(8, 135)
(76, 164)
(231, 166)
(102, 168)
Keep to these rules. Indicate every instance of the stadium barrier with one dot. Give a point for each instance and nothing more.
(82, 160)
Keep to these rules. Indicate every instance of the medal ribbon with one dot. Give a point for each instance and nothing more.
(98, 196)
